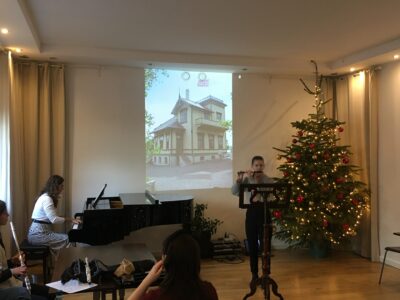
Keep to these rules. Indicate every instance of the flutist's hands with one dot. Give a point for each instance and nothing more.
(15, 259)
(19, 270)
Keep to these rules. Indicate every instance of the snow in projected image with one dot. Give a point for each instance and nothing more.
(188, 129)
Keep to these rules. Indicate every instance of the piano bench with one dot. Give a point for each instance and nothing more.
(37, 252)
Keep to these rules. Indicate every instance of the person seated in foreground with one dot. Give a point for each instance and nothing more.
(10, 287)
(181, 262)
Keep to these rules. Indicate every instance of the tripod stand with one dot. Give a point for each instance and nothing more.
(275, 196)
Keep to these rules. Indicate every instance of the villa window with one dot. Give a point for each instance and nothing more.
(200, 141)
(183, 116)
(211, 141)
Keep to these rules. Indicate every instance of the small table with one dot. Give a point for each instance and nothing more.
(111, 254)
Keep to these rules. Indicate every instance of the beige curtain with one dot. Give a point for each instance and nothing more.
(5, 95)
(37, 135)
(355, 102)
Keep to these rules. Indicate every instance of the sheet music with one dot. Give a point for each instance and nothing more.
(71, 286)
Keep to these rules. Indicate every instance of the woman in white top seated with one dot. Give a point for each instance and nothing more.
(45, 213)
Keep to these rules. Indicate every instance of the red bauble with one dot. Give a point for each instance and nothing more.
(325, 223)
(286, 174)
(340, 180)
(298, 155)
(277, 214)
(345, 227)
(339, 196)
(312, 146)
(300, 133)
(289, 159)
(354, 201)
(326, 155)
(314, 175)
(294, 141)
(300, 199)
(340, 129)
(345, 160)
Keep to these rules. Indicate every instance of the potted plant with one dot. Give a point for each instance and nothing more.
(202, 228)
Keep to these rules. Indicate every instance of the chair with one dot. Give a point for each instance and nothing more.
(35, 252)
(393, 249)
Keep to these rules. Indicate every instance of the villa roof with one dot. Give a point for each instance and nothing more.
(212, 99)
(171, 123)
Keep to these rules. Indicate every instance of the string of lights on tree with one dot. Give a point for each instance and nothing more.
(327, 200)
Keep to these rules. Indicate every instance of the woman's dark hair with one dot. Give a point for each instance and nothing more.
(182, 268)
(3, 206)
(52, 187)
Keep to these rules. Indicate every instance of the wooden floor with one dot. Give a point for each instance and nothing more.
(342, 276)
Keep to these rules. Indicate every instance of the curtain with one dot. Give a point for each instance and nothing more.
(5, 63)
(355, 102)
(37, 135)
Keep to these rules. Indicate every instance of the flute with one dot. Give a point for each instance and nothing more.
(239, 173)
(87, 269)
(26, 278)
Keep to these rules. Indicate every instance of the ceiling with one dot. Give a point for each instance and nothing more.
(272, 36)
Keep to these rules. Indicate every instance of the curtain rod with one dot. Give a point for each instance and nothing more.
(40, 64)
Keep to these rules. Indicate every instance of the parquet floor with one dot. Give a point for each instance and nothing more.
(343, 276)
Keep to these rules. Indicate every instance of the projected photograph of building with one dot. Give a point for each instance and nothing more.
(188, 130)
(195, 133)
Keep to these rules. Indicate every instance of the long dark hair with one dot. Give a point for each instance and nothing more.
(3, 206)
(52, 187)
(182, 268)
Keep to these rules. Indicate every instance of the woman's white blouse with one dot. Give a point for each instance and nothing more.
(45, 210)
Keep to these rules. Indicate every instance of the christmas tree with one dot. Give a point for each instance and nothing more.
(327, 200)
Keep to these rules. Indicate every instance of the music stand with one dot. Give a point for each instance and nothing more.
(274, 195)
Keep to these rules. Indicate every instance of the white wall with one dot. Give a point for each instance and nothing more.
(105, 122)
(389, 159)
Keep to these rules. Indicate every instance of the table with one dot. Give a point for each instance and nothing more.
(111, 254)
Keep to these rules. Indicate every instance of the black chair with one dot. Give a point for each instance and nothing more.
(36, 252)
(393, 249)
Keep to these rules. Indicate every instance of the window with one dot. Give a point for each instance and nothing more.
(220, 142)
(200, 140)
(161, 143)
(167, 143)
(207, 116)
(211, 141)
(165, 160)
(183, 116)
(219, 116)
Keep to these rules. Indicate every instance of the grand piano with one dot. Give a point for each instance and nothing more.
(113, 218)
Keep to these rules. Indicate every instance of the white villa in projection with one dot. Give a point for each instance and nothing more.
(195, 132)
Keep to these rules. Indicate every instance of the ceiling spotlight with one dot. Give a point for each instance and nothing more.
(4, 30)
(352, 69)
(240, 76)
(396, 56)
(18, 50)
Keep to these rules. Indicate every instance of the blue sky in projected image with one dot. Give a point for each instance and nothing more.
(164, 93)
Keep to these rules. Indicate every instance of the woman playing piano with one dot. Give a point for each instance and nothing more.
(45, 213)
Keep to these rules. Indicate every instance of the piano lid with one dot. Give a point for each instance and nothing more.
(151, 199)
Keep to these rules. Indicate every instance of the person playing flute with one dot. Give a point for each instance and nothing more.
(10, 286)
(255, 212)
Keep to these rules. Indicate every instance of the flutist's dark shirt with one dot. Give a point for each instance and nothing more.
(5, 271)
